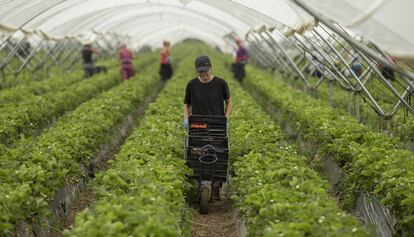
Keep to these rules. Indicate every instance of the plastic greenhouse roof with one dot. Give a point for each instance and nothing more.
(384, 22)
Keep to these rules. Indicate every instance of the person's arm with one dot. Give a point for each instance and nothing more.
(229, 107)
(187, 106)
(186, 111)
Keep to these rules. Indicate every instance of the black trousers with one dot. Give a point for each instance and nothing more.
(239, 71)
(90, 69)
(166, 71)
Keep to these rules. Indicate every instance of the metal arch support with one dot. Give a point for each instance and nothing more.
(364, 89)
(296, 69)
(401, 99)
(352, 41)
(262, 52)
(273, 57)
(261, 58)
(276, 55)
(34, 17)
(341, 79)
(366, 92)
(408, 80)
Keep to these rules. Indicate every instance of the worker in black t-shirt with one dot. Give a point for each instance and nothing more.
(206, 95)
(88, 65)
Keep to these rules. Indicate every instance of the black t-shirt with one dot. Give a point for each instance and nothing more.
(87, 55)
(207, 98)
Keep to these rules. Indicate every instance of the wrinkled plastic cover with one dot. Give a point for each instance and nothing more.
(385, 22)
(148, 22)
(388, 23)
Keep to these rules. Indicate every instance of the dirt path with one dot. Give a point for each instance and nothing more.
(219, 222)
(84, 200)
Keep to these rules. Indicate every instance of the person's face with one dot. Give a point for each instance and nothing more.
(204, 75)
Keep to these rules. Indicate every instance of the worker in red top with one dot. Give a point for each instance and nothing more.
(166, 70)
(241, 60)
(127, 68)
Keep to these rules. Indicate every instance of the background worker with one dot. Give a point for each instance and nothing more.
(88, 63)
(127, 67)
(241, 60)
(166, 70)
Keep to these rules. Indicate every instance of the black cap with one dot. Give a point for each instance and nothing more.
(202, 63)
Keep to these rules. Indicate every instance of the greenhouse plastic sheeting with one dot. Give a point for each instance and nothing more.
(211, 19)
(208, 20)
(385, 22)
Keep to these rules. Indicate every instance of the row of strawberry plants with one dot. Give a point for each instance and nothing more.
(46, 71)
(36, 111)
(274, 189)
(31, 177)
(371, 161)
(23, 92)
(57, 82)
(401, 126)
(142, 194)
(24, 118)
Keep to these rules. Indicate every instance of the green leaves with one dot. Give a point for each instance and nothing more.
(142, 193)
(55, 158)
(275, 191)
(370, 161)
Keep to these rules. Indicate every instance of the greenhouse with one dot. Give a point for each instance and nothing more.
(206, 118)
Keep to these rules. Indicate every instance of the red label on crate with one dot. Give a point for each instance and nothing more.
(198, 125)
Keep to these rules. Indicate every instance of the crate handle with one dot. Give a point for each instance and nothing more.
(208, 151)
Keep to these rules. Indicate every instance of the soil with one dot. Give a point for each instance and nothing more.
(84, 200)
(220, 220)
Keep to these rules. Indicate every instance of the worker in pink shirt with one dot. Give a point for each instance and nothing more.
(166, 70)
(241, 60)
(127, 68)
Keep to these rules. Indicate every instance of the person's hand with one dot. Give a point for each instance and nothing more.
(185, 123)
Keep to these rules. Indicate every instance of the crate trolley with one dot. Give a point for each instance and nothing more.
(207, 154)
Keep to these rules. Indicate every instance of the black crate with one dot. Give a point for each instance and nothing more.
(207, 138)
(218, 166)
(219, 143)
(207, 125)
(193, 154)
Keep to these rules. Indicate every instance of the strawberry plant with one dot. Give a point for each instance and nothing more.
(31, 174)
(371, 161)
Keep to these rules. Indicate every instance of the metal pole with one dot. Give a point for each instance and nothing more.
(357, 105)
(278, 58)
(378, 107)
(352, 41)
(261, 58)
(264, 54)
(348, 85)
(289, 59)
